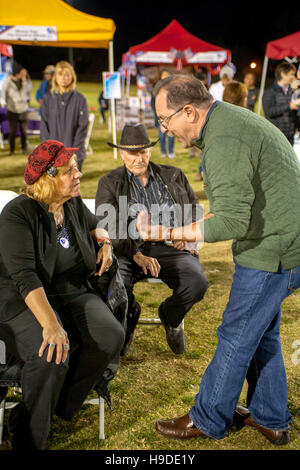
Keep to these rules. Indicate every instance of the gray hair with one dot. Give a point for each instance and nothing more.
(182, 90)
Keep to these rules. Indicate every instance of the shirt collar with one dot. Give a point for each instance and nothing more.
(132, 175)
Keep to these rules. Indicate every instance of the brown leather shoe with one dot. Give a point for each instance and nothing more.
(276, 437)
(178, 428)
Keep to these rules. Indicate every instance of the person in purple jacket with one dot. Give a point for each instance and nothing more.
(64, 111)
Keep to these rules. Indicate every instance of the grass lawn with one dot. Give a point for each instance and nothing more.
(152, 382)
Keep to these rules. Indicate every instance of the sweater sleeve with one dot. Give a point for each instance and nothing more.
(17, 250)
(81, 130)
(271, 108)
(44, 118)
(229, 174)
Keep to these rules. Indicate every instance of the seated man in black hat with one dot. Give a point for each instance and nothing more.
(165, 193)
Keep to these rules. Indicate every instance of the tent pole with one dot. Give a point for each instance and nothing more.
(71, 56)
(262, 83)
(112, 101)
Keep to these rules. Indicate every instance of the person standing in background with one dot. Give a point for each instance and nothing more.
(46, 83)
(277, 100)
(253, 91)
(15, 97)
(236, 93)
(226, 76)
(64, 111)
(164, 73)
(103, 107)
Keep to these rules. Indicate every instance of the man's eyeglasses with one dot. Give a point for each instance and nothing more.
(164, 122)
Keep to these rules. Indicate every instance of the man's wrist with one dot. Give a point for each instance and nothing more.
(169, 234)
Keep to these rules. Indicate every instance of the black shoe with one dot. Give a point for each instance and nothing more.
(175, 336)
(18, 428)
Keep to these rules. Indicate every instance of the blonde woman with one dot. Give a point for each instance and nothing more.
(64, 111)
(48, 264)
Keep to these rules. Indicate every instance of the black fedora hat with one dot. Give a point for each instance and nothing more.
(134, 137)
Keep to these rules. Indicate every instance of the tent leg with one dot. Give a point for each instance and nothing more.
(112, 101)
(71, 56)
(262, 84)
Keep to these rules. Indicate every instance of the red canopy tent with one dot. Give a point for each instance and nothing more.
(288, 46)
(174, 44)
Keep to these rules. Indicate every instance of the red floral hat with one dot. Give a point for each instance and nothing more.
(48, 154)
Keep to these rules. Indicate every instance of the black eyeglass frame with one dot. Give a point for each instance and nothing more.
(167, 119)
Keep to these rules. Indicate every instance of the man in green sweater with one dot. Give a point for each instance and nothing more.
(252, 181)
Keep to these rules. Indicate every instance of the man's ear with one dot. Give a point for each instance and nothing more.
(190, 112)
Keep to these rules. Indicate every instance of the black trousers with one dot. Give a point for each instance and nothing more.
(96, 339)
(180, 270)
(14, 118)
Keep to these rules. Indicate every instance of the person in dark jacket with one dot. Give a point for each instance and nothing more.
(46, 84)
(277, 101)
(165, 192)
(49, 307)
(253, 91)
(64, 111)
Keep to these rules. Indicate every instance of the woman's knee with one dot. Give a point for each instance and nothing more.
(113, 339)
(107, 339)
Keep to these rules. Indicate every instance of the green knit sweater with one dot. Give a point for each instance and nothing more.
(252, 181)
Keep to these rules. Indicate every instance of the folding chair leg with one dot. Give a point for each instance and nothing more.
(101, 418)
(2, 410)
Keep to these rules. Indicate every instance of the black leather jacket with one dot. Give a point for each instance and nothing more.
(115, 185)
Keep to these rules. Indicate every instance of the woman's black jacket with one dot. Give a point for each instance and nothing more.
(28, 230)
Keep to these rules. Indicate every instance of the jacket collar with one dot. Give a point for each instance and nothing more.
(198, 142)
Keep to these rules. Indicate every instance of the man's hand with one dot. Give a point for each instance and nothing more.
(148, 231)
(179, 245)
(294, 105)
(146, 262)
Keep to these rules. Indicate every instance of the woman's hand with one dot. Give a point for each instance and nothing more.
(146, 262)
(55, 337)
(53, 333)
(104, 257)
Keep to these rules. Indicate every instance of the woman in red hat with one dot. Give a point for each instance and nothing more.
(48, 289)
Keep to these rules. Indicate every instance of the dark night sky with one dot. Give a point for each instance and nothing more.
(245, 28)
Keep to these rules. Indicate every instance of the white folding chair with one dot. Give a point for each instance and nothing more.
(5, 197)
(90, 204)
(87, 145)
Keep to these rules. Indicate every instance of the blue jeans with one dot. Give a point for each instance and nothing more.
(249, 347)
(162, 140)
